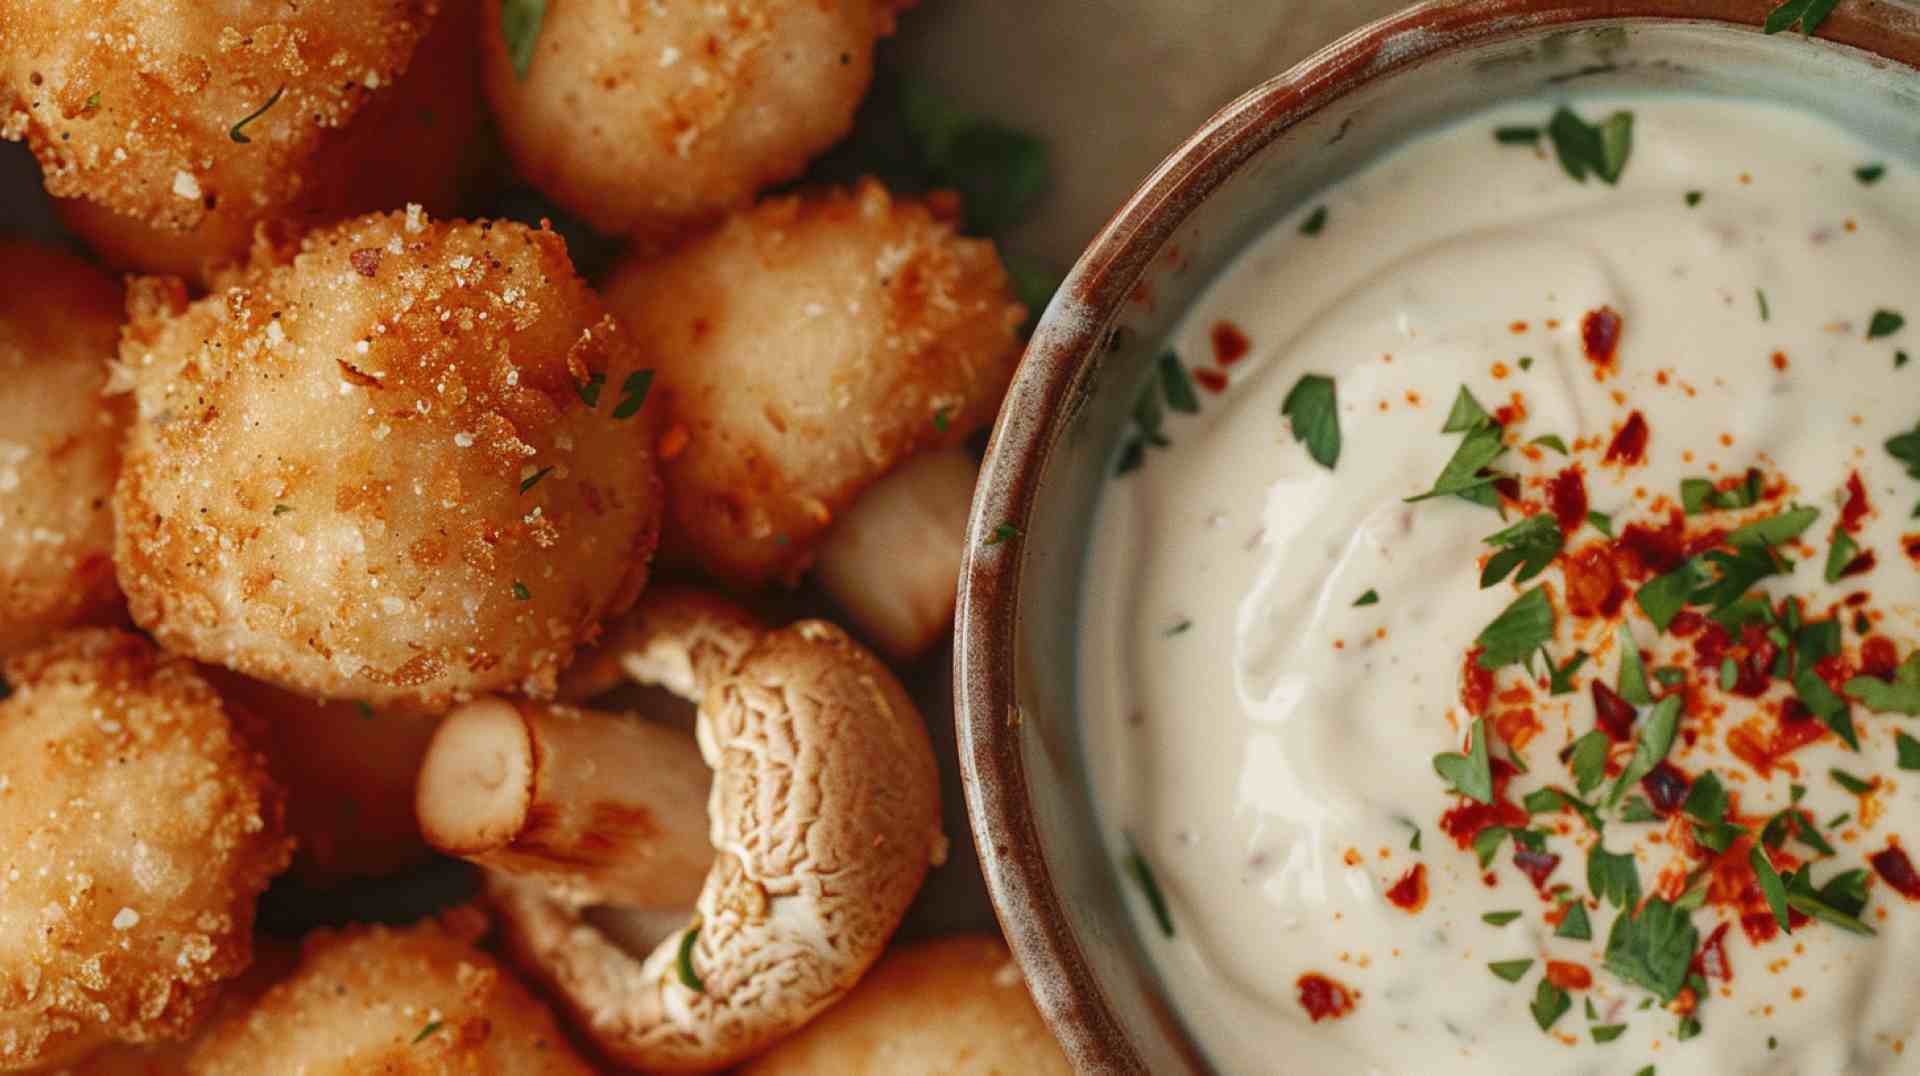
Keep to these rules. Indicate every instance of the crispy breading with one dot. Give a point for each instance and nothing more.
(366, 469)
(805, 348)
(137, 828)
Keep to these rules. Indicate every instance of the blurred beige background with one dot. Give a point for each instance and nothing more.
(1113, 85)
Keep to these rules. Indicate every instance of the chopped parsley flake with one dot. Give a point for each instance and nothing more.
(1316, 221)
(1838, 903)
(633, 393)
(1849, 782)
(1652, 949)
(1829, 707)
(282, 509)
(1869, 174)
(1560, 677)
(1588, 149)
(1633, 672)
(1588, 760)
(1885, 323)
(1613, 877)
(1605, 1033)
(1550, 440)
(1766, 313)
(1529, 545)
(1650, 746)
(683, 961)
(520, 26)
(428, 1031)
(520, 591)
(1484, 442)
(366, 710)
(1909, 751)
(1499, 919)
(1002, 533)
(1313, 410)
(533, 479)
(1177, 385)
(1180, 628)
(1523, 627)
(1575, 924)
(1510, 970)
(1840, 554)
(1516, 135)
(590, 392)
(1770, 886)
(1601, 522)
(1550, 1003)
(1136, 868)
(1371, 597)
(235, 132)
(1901, 695)
(1693, 198)
(1471, 774)
(1809, 14)
(941, 420)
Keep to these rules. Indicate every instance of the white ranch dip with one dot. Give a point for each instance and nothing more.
(1266, 740)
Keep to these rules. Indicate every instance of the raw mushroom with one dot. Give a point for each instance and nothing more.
(948, 1007)
(677, 637)
(822, 359)
(824, 810)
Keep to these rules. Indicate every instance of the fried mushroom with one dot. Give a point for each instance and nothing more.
(949, 1007)
(808, 349)
(136, 830)
(823, 820)
(404, 463)
(179, 114)
(418, 1001)
(59, 444)
(651, 117)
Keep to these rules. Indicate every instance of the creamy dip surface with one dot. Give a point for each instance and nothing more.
(1276, 652)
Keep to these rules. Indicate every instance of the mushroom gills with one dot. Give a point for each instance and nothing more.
(892, 560)
(607, 808)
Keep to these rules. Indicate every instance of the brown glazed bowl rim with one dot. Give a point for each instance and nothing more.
(986, 717)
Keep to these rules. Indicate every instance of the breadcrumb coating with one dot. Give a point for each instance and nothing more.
(59, 444)
(132, 103)
(136, 830)
(422, 1000)
(367, 468)
(650, 117)
(805, 348)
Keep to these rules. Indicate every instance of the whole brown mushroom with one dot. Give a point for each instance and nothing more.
(822, 359)
(823, 819)
(949, 1007)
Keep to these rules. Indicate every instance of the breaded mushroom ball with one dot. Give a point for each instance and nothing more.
(189, 117)
(422, 1000)
(405, 463)
(136, 830)
(59, 443)
(807, 349)
(648, 117)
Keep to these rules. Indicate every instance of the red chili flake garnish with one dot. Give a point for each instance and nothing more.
(1657, 550)
(1323, 998)
(1856, 508)
(1613, 713)
(1537, 866)
(1230, 345)
(1893, 865)
(1911, 543)
(1567, 493)
(1476, 683)
(1410, 893)
(1517, 726)
(1630, 444)
(1593, 585)
(1686, 623)
(1210, 379)
(1860, 565)
(1711, 960)
(1760, 927)
(1878, 657)
(1568, 976)
(1666, 788)
(1600, 336)
(1464, 822)
(1779, 360)
(366, 261)
(1763, 745)
(1710, 649)
(1508, 487)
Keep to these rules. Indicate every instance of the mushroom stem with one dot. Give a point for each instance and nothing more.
(892, 561)
(606, 808)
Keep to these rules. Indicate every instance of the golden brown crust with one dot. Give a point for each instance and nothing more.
(410, 143)
(132, 105)
(373, 402)
(422, 1000)
(805, 348)
(652, 117)
(954, 1006)
(136, 830)
(59, 444)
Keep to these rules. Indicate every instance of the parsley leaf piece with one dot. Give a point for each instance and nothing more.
(1901, 695)
(1838, 903)
(1909, 751)
(1651, 746)
(1906, 449)
(1314, 412)
(1706, 799)
(533, 479)
(1550, 1003)
(683, 961)
(1766, 314)
(1575, 924)
(1869, 174)
(1550, 440)
(236, 131)
(1808, 13)
(1529, 545)
(1613, 877)
(1653, 949)
(1849, 782)
(1840, 554)
(1663, 596)
(1315, 223)
(1523, 627)
(1885, 323)
(1414, 844)
(1584, 148)
(1487, 842)
(1831, 709)
(520, 592)
(1517, 135)
(1002, 533)
(1770, 886)
(1693, 198)
(1601, 522)
(428, 1031)
(1637, 809)
(633, 393)
(1633, 673)
(1465, 414)
(1510, 970)
(1775, 530)
(1605, 1033)
(1589, 761)
(1177, 385)
(520, 25)
(1135, 866)
(1499, 919)
(282, 509)
(1560, 677)
(590, 392)
(941, 420)
(1461, 476)
(1371, 597)
(1471, 774)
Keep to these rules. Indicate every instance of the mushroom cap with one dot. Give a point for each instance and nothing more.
(806, 347)
(953, 1006)
(420, 1000)
(680, 638)
(417, 502)
(136, 831)
(59, 443)
(132, 105)
(825, 816)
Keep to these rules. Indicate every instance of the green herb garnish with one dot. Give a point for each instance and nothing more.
(1517, 135)
(1849, 782)
(1588, 760)
(1560, 677)
(520, 591)
(999, 172)
(520, 26)
(1808, 13)
(1869, 174)
(1316, 221)
(590, 392)
(1601, 522)
(235, 132)
(1575, 924)
(1136, 868)
(1901, 695)
(1693, 198)
(1510, 970)
(1002, 533)
(533, 479)
(1613, 877)
(683, 961)
(1312, 409)
(1884, 323)
(1371, 597)
(1652, 949)
(1770, 886)
(1908, 749)
(428, 1031)
(1177, 385)
(1529, 545)
(1761, 296)
(1633, 673)
(1549, 440)
(633, 393)
(1650, 746)
(1829, 707)
(1583, 148)
(1550, 1003)
(1499, 919)
(1471, 774)
(1523, 627)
